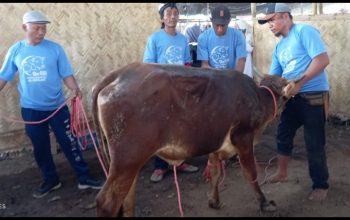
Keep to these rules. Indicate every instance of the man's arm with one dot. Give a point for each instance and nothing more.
(2, 84)
(71, 83)
(240, 65)
(317, 64)
(150, 53)
(205, 64)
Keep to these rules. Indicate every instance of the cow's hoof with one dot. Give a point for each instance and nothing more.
(214, 204)
(269, 206)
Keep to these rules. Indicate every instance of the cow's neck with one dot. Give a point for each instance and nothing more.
(273, 99)
(269, 100)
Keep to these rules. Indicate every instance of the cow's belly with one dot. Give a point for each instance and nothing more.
(175, 154)
(227, 150)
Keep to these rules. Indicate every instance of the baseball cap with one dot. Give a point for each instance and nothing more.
(272, 9)
(35, 17)
(220, 15)
(164, 6)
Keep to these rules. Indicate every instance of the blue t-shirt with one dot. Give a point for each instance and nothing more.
(222, 52)
(294, 53)
(41, 69)
(167, 49)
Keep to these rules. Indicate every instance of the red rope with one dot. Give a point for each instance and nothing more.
(9, 119)
(207, 175)
(79, 123)
(78, 127)
(274, 100)
(178, 191)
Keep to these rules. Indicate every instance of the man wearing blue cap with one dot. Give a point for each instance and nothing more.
(301, 53)
(42, 66)
(222, 47)
(168, 46)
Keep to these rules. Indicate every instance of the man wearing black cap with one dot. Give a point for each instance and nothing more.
(42, 66)
(301, 52)
(222, 47)
(167, 46)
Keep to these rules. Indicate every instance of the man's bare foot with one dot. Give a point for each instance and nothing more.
(318, 194)
(277, 178)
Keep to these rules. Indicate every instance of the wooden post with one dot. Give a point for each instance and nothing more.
(253, 9)
(301, 7)
(320, 8)
(314, 8)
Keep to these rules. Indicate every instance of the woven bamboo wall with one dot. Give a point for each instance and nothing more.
(335, 31)
(97, 37)
(100, 37)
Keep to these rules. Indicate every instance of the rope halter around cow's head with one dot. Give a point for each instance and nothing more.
(280, 90)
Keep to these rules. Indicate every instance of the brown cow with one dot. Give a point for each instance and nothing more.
(177, 113)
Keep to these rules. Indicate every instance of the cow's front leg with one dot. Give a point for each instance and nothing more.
(244, 144)
(214, 166)
(248, 165)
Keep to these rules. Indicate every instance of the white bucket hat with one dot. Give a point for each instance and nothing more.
(35, 17)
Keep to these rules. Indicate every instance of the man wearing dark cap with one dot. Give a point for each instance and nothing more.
(222, 47)
(167, 46)
(301, 53)
(42, 65)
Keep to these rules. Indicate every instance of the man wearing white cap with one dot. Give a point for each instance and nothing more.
(42, 66)
(301, 53)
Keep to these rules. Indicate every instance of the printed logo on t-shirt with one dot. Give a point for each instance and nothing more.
(219, 57)
(287, 60)
(174, 55)
(34, 69)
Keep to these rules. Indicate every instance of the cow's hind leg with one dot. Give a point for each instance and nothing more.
(244, 145)
(214, 166)
(106, 200)
(117, 195)
(128, 207)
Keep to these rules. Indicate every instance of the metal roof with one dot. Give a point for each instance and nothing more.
(235, 8)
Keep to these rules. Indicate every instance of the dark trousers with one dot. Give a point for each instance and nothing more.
(160, 164)
(39, 136)
(299, 112)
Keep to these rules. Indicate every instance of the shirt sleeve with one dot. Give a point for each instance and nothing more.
(241, 50)
(64, 67)
(275, 68)
(202, 47)
(187, 57)
(150, 55)
(311, 41)
(9, 68)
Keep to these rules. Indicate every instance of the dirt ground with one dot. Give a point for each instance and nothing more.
(19, 176)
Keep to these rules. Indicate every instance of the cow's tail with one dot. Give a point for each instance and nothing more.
(103, 149)
(95, 112)
(95, 92)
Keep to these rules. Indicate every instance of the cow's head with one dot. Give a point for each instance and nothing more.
(280, 87)
(275, 83)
